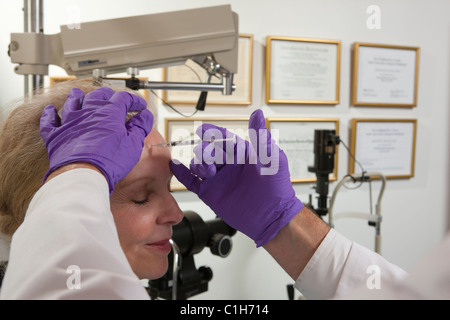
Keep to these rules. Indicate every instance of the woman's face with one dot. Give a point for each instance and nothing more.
(144, 211)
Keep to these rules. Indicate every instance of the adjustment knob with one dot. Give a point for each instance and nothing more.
(206, 273)
(220, 245)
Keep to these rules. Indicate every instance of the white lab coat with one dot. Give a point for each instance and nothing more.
(69, 223)
(339, 266)
(342, 269)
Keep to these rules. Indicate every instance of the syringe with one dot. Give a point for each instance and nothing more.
(190, 142)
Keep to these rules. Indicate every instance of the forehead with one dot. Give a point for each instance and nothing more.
(154, 137)
(154, 161)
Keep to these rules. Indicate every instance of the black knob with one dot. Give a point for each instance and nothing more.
(206, 272)
(220, 245)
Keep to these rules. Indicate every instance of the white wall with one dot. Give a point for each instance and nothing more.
(414, 210)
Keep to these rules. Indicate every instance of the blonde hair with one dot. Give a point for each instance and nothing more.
(23, 156)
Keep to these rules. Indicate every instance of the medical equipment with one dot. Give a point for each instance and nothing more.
(189, 142)
(190, 236)
(208, 36)
(374, 220)
(325, 142)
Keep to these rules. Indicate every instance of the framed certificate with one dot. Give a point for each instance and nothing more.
(179, 129)
(192, 72)
(296, 139)
(385, 75)
(384, 145)
(302, 71)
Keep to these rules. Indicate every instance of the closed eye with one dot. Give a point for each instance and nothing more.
(140, 202)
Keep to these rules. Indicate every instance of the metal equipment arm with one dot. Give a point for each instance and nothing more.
(373, 219)
(209, 36)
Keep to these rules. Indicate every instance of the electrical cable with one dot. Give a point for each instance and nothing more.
(172, 107)
(359, 164)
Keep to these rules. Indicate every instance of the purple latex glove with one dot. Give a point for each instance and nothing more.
(247, 184)
(92, 129)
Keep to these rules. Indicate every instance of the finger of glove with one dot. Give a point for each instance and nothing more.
(48, 122)
(76, 94)
(211, 132)
(209, 153)
(97, 98)
(140, 124)
(71, 105)
(130, 102)
(260, 136)
(257, 120)
(103, 93)
(203, 170)
(203, 164)
(184, 175)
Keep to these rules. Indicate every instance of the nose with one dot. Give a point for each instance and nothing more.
(171, 214)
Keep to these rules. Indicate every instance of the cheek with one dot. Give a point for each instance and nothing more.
(134, 225)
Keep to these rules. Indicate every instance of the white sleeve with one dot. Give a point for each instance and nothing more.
(68, 247)
(339, 266)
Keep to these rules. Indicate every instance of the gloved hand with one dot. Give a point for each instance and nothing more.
(93, 130)
(248, 185)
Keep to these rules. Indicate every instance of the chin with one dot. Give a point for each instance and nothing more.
(151, 271)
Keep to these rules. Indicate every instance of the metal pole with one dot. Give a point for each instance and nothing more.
(25, 29)
(187, 86)
(33, 17)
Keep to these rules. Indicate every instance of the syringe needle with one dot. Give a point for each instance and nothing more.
(189, 142)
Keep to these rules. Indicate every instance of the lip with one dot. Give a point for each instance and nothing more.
(163, 245)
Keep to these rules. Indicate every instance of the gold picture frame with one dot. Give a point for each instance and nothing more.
(385, 75)
(295, 136)
(386, 146)
(192, 72)
(177, 129)
(302, 71)
(56, 79)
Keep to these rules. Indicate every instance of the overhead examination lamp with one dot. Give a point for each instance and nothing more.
(208, 36)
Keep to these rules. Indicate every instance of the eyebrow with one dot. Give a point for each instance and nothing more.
(142, 180)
